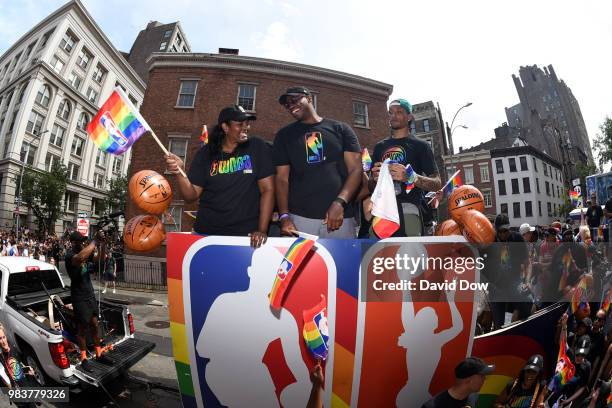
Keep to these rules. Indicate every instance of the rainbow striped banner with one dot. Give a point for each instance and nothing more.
(366, 160)
(579, 295)
(452, 183)
(605, 303)
(204, 135)
(288, 269)
(576, 199)
(411, 178)
(565, 370)
(117, 125)
(315, 332)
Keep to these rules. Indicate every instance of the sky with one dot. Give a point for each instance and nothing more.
(451, 52)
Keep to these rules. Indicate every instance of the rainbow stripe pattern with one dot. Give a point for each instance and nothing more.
(411, 178)
(288, 269)
(579, 296)
(605, 304)
(452, 183)
(565, 370)
(117, 124)
(576, 199)
(366, 160)
(204, 135)
(384, 228)
(316, 333)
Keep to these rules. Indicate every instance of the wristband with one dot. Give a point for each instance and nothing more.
(341, 201)
(283, 216)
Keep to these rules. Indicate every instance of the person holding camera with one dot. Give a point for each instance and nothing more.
(82, 291)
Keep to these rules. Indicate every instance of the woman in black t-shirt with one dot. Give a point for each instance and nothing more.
(233, 177)
(528, 390)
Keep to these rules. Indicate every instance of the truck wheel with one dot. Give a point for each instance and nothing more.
(40, 377)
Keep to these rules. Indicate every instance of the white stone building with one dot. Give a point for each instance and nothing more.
(528, 184)
(52, 82)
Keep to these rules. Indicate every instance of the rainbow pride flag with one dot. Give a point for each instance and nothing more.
(117, 125)
(605, 303)
(452, 183)
(579, 296)
(316, 333)
(384, 204)
(366, 160)
(204, 135)
(409, 184)
(576, 199)
(565, 370)
(286, 271)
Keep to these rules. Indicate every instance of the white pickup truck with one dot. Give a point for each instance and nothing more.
(33, 324)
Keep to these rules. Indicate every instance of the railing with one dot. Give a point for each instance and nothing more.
(138, 274)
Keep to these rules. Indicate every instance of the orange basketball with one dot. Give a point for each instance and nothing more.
(448, 227)
(150, 191)
(476, 227)
(144, 233)
(465, 198)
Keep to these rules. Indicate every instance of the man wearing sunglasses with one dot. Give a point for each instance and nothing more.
(318, 170)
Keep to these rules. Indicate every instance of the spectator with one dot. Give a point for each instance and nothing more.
(470, 375)
(528, 390)
(594, 213)
(110, 271)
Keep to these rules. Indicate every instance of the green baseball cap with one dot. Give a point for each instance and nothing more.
(403, 103)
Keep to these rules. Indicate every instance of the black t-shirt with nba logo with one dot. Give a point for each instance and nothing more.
(315, 153)
(408, 150)
(229, 204)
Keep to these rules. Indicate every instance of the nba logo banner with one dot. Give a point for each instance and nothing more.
(232, 349)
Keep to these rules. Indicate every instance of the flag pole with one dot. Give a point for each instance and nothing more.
(161, 145)
(444, 186)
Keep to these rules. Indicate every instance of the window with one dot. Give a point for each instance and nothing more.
(57, 64)
(99, 74)
(413, 127)
(540, 208)
(28, 151)
(74, 80)
(516, 210)
(84, 58)
(487, 198)
(45, 39)
(547, 188)
(504, 209)
(73, 171)
(501, 186)
(523, 161)
(28, 51)
(83, 121)
(172, 223)
(187, 93)
(70, 201)
(24, 87)
(98, 180)
(51, 160)
(545, 169)
(97, 206)
(549, 208)
(499, 165)
(163, 45)
(68, 41)
(538, 185)
(246, 96)
(484, 173)
(426, 127)
(77, 146)
(117, 164)
(526, 185)
(167, 34)
(515, 186)
(35, 123)
(133, 100)
(528, 209)
(57, 135)
(178, 146)
(512, 163)
(43, 96)
(118, 85)
(92, 95)
(468, 172)
(101, 158)
(360, 114)
(12, 124)
(64, 109)
(555, 209)
(558, 192)
(315, 97)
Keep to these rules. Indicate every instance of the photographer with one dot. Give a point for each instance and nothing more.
(81, 289)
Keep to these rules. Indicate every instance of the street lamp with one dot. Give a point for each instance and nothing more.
(461, 126)
(450, 136)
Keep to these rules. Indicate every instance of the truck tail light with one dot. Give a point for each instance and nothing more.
(131, 322)
(58, 355)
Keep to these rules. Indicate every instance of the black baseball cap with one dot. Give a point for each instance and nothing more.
(293, 91)
(77, 236)
(472, 366)
(535, 363)
(502, 221)
(235, 113)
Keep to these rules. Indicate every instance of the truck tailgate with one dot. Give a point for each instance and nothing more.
(125, 355)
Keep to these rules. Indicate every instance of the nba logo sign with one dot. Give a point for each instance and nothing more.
(284, 269)
(113, 130)
(314, 147)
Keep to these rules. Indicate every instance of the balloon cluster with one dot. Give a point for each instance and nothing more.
(466, 208)
(151, 192)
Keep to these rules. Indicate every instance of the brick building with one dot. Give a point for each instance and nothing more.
(186, 91)
(428, 126)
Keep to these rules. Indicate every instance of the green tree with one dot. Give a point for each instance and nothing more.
(585, 169)
(43, 192)
(116, 199)
(603, 143)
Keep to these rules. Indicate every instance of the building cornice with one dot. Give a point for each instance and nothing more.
(513, 151)
(268, 66)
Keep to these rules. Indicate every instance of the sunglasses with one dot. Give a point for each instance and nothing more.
(292, 100)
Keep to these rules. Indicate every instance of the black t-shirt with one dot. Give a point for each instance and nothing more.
(407, 150)
(229, 204)
(557, 265)
(593, 216)
(80, 282)
(518, 397)
(315, 153)
(581, 378)
(503, 263)
(444, 400)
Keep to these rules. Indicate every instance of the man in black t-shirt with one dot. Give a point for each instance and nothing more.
(470, 375)
(318, 170)
(594, 213)
(403, 148)
(81, 290)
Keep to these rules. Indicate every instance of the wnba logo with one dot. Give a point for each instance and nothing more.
(396, 153)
